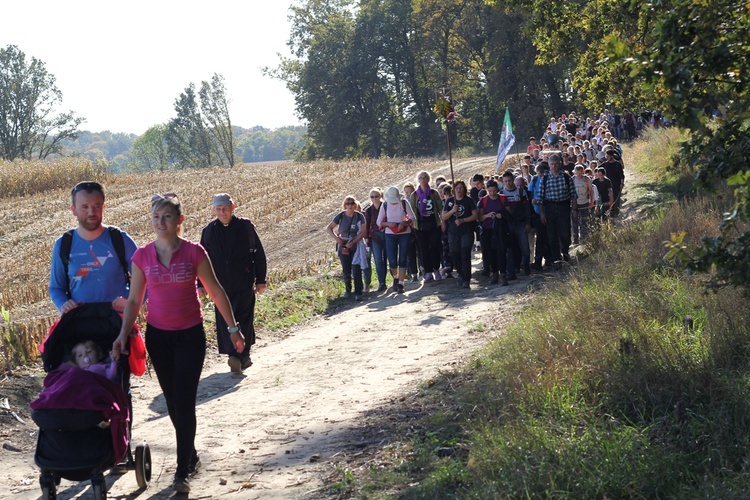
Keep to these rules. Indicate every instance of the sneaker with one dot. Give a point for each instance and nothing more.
(347, 295)
(367, 288)
(395, 287)
(428, 277)
(503, 280)
(485, 272)
(527, 270)
(194, 466)
(181, 485)
(536, 267)
(358, 297)
(512, 277)
(415, 279)
(449, 274)
(437, 275)
(383, 287)
(246, 363)
(235, 364)
(400, 289)
(494, 278)
(465, 284)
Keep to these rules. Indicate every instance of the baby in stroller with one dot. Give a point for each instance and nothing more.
(88, 356)
(83, 411)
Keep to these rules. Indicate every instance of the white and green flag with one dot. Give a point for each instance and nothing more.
(507, 139)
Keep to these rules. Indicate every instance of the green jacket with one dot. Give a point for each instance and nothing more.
(437, 203)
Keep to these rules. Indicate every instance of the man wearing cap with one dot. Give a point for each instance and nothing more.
(92, 269)
(240, 265)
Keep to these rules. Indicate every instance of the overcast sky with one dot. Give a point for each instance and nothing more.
(121, 65)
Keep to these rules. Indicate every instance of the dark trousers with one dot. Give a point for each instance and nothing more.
(348, 268)
(541, 250)
(430, 248)
(558, 229)
(177, 357)
(493, 252)
(412, 259)
(243, 306)
(460, 245)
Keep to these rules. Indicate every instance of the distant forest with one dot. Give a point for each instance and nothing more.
(255, 144)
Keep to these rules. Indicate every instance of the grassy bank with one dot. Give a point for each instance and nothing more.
(626, 381)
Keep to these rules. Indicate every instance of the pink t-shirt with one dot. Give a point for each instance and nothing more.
(173, 302)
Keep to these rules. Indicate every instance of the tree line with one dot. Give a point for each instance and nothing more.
(201, 133)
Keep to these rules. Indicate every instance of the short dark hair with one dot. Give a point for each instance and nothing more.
(477, 178)
(88, 186)
(492, 183)
(508, 173)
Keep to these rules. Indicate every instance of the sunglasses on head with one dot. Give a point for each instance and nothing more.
(165, 196)
(87, 186)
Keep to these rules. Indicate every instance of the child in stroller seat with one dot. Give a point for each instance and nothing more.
(88, 356)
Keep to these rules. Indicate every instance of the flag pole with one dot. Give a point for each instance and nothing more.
(450, 154)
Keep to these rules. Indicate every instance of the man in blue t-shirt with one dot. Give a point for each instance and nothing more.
(94, 272)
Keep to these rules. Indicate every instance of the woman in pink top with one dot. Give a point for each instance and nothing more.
(168, 269)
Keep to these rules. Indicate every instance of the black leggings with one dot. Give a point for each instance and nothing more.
(430, 248)
(177, 356)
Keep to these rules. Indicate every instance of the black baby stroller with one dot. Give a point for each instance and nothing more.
(72, 442)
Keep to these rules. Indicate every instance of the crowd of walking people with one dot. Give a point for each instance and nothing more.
(524, 219)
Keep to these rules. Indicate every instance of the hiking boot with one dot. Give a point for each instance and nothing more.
(383, 287)
(181, 485)
(400, 288)
(494, 277)
(246, 363)
(235, 364)
(395, 287)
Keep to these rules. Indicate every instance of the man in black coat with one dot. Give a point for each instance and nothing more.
(240, 265)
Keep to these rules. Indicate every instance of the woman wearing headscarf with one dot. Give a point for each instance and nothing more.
(428, 225)
(396, 217)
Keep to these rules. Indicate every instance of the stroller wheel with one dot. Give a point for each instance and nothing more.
(142, 465)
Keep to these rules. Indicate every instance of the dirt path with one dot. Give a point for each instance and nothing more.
(276, 432)
(271, 433)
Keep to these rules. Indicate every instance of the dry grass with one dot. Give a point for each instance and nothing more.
(290, 203)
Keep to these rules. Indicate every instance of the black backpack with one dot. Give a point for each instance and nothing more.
(117, 241)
